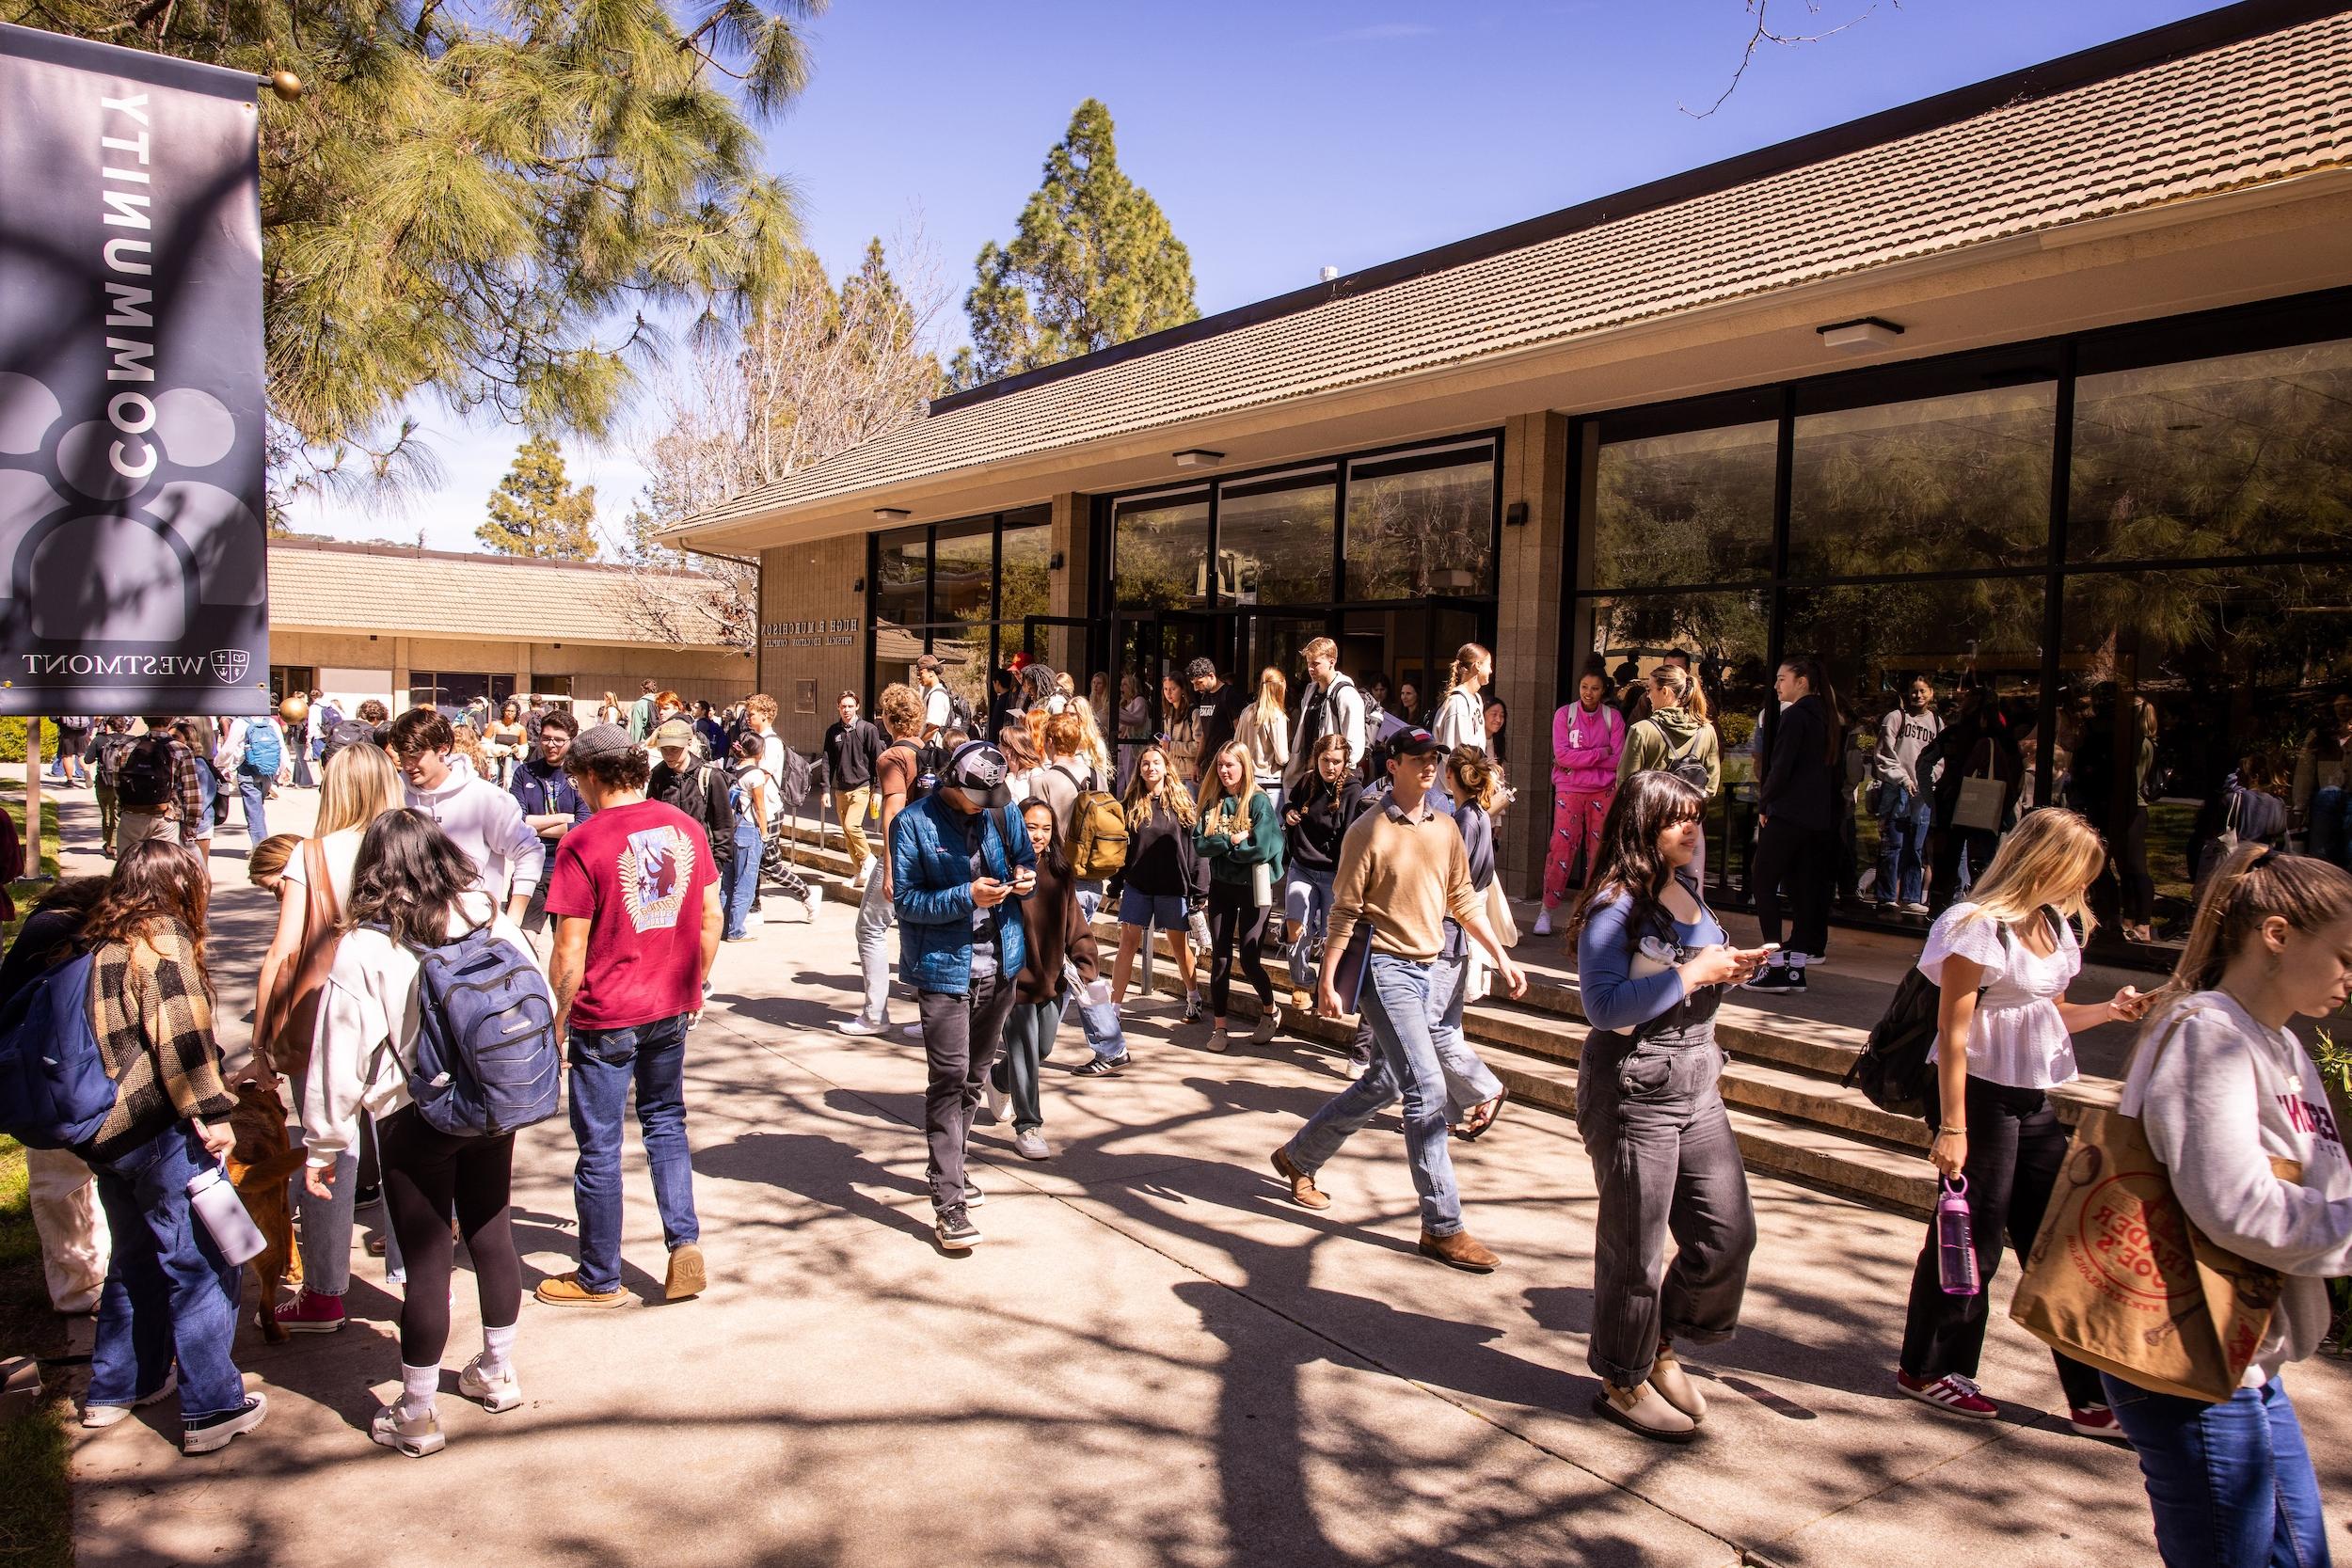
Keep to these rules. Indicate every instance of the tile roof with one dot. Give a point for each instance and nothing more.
(2255, 110)
(321, 584)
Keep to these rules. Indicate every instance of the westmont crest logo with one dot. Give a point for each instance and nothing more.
(230, 664)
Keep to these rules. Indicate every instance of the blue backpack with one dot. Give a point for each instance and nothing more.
(262, 754)
(53, 1089)
(486, 1060)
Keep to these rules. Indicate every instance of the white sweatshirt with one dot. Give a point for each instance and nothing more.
(367, 1030)
(2223, 1097)
(487, 824)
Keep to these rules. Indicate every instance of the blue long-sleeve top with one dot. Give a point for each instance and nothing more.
(1614, 1000)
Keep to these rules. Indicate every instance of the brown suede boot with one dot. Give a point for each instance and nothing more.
(1460, 1251)
(1303, 1189)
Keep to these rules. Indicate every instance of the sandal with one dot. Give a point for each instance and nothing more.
(1481, 1117)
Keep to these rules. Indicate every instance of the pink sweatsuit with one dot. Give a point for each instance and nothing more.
(1585, 746)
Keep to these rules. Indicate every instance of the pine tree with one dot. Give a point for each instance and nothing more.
(1093, 262)
(536, 511)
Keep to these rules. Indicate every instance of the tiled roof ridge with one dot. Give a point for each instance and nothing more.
(485, 558)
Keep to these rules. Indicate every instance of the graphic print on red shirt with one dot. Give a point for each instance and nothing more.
(638, 875)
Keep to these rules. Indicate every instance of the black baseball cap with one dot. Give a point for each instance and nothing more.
(979, 770)
(1411, 740)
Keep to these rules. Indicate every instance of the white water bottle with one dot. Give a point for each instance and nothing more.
(222, 1210)
(1198, 923)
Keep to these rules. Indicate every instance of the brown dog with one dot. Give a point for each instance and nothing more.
(261, 1167)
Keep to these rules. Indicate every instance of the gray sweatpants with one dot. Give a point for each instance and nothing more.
(874, 920)
(1666, 1163)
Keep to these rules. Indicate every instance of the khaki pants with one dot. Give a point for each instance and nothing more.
(71, 1227)
(854, 804)
(139, 825)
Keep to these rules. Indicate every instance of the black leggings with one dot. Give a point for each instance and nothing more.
(426, 1174)
(1806, 860)
(1236, 919)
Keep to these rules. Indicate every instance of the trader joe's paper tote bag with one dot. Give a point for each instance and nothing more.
(2120, 1280)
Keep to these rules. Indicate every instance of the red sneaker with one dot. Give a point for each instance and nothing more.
(2097, 1420)
(311, 1313)
(1954, 1393)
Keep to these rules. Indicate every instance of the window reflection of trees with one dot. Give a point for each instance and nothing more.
(1275, 544)
(1158, 551)
(1933, 485)
(2250, 454)
(904, 569)
(1413, 533)
(1693, 507)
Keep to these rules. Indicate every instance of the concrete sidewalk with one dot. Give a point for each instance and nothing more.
(1153, 1358)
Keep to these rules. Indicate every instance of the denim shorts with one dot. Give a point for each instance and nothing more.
(1166, 911)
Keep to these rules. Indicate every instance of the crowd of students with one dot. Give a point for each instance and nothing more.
(1371, 853)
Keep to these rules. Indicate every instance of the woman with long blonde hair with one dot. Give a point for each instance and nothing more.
(1264, 727)
(2004, 1039)
(1241, 838)
(1158, 884)
(359, 785)
(1461, 716)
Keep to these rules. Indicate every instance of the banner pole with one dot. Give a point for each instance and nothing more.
(32, 796)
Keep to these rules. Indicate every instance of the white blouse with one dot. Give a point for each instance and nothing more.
(2017, 1038)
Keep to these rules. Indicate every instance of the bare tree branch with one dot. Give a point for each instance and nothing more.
(1763, 33)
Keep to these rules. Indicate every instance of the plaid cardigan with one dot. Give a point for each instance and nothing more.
(154, 1020)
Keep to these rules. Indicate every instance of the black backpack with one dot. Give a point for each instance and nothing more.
(1893, 1070)
(347, 732)
(929, 761)
(1689, 766)
(960, 718)
(144, 779)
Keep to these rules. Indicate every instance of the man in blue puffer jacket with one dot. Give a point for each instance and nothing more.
(959, 863)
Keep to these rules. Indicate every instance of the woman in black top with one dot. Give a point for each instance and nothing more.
(1161, 881)
(1315, 819)
(1797, 802)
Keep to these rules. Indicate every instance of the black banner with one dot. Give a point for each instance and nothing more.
(131, 399)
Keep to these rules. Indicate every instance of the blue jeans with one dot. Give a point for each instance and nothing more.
(1395, 1003)
(2230, 1483)
(1306, 904)
(604, 1063)
(1904, 825)
(253, 789)
(739, 879)
(1468, 1079)
(170, 1295)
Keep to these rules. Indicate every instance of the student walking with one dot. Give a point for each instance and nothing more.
(412, 889)
(2225, 1092)
(358, 786)
(1473, 785)
(1403, 870)
(114, 740)
(2004, 1028)
(1675, 737)
(1461, 716)
(1160, 883)
(481, 820)
(635, 898)
(1797, 800)
(195, 737)
(698, 788)
(1587, 743)
(1241, 840)
(167, 1313)
(551, 807)
(747, 797)
(1265, 729)
(959, 861)
(1056, 942)
(1333, 706)
(252, 754)
(1906, 801)
(1653, 962)
(852, 745)
(1218, 706)
(1314, 820)
(898, 770)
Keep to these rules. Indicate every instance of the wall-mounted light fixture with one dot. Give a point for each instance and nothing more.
(858, 587)
(1856, 337)
(1054, 564)
(891, 513)
(1198, 457)
(1515, 514)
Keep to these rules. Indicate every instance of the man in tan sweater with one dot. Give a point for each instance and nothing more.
(1403, 871)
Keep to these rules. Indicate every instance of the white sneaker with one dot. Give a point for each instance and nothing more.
(859, 1026)
(1543, 924)
(493, 1394)
(997, 1100)
(911, 1031)
(1269, 1023)
(97, 1417)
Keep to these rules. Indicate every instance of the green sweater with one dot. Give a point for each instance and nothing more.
(1229, 861)
(1670, 731)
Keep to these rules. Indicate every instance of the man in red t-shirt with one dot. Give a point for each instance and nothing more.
(635, 897)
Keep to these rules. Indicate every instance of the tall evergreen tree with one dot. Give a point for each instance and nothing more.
(1093, 262)
(467, 199)
(536, 511)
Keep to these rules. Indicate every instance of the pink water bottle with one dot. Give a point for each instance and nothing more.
(1955, 1249)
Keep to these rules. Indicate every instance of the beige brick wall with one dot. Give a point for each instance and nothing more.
(1527, 632)
(800, 584)
(390, 659)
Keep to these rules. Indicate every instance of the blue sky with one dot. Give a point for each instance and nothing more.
(1286, 136)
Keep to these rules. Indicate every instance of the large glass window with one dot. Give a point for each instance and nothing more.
(963, 575)
(2249, 454)
(1160, 550)
(1931, 484)
(1024, 582)
(900, 576)
(1273, 538)
(1692, 507)
(1422, 523)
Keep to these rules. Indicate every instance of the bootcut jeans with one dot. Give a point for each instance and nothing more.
(874, 920)
(1396, 1003)
(1651, 1112)
(2230, 1484)
(170, 1295)
(605, 1062)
